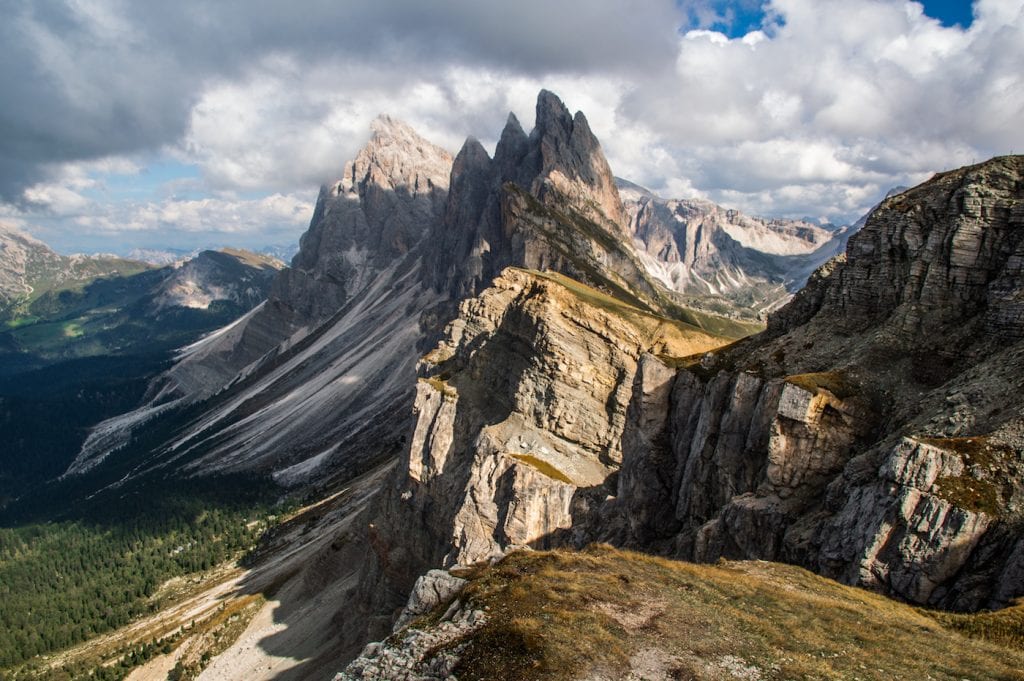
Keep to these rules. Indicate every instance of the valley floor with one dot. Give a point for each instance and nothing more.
(277, 619)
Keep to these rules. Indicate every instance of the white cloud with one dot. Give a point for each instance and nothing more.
(841, 100)
(276, 213)
(818, 113)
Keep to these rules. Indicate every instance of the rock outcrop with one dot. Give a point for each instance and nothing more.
(520, 418)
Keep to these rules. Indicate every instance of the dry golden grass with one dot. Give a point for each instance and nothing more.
(566, 615)
(664, 336)
(544, 467)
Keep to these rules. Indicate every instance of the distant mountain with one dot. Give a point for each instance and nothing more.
(722, 260)
(29, 268)
(68, 314)
(168, 256)
(85, 349)
(283, 252)
(162, 256)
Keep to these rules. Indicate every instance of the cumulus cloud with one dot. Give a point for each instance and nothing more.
(842, 96)
(818, 109)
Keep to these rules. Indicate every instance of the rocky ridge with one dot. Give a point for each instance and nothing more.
(389, 254)
(723, 260)
(546, 201)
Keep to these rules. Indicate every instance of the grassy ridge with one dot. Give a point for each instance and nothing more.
(598, 613)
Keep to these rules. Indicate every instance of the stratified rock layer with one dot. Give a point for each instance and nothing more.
(874, 434)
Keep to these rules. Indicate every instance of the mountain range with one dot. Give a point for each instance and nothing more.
(476, 355)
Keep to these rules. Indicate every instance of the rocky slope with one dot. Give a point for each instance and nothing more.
(321, 372)
(723, 260)
(607, 614)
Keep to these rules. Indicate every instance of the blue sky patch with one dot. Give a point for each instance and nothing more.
(736, 18)
(950, 12)
(159, 178)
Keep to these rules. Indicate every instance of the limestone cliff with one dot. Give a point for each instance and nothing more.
(874, 433)
(521, 413)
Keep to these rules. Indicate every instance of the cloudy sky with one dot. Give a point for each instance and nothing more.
(129, 123)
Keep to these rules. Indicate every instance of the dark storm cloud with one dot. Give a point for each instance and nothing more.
(85, 79)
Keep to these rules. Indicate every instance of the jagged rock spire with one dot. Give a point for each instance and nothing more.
(560, 163)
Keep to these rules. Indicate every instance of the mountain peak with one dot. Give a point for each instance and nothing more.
(396, 156)
(388, 127)
(551, 111)
(572, 161)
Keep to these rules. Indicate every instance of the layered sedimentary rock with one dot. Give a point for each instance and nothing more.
(521, 414)
(828, 441)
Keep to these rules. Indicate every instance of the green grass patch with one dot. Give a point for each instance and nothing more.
(440, 386)
(1005, 627)
(987, 483)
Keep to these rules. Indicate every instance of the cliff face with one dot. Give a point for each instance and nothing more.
(542, 419)
(874, 433)
(521, 420)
